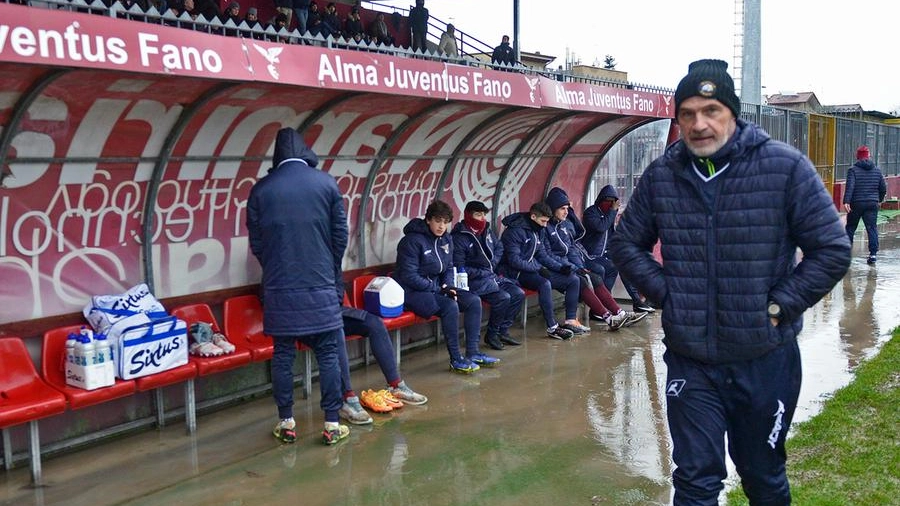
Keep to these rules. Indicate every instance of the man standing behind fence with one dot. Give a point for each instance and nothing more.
(297, 228)
(865, 191)
(729, 207)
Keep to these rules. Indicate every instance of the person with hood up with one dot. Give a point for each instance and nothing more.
(425, 271)
(599, 225)
(564, 230)
(476, 248)
(729, 208)
(865, 191)
(527, 259)
(297, 229)
(503, 54)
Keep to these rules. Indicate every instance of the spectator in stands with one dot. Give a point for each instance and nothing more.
(301, 13)
(252, 20)
(447, 45)
(281, 21)
(866, 189)
(209, 9)
(503, 54)
(314, 19)
(331, 22)
(359, 322)
(285, 7)
(233, 12)
(418, 24)
(379, 31)
(525, 256)
(424, 270)
(476, 248)
(300, 249)
(353, 25)
(599, 224)
(564, 230)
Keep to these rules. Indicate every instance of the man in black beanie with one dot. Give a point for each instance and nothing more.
(729, 207)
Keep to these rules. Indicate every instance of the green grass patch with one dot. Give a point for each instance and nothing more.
(849, 454)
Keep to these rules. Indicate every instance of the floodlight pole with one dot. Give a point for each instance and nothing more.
(516, 29)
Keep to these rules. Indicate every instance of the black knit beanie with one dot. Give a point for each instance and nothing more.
(708, 79)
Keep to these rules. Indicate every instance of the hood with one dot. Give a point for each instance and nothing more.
(866, 164)
(557, 198)
(416, 226)
(747, 137)
(606, 192)
(517, 220)
(289, 145)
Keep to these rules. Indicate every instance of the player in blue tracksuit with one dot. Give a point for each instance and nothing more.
(476, 248)
(425, 271)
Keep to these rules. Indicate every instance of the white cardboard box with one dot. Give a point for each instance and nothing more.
(91, 377)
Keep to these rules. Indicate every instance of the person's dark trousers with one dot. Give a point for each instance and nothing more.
(324, 346)
(426, 305)
(869, 214)
(302, 15)
(505, 304)
(419, 41)
(608, 271)
(380, 342)
(570, 286)
(753, 401)
(540, 284)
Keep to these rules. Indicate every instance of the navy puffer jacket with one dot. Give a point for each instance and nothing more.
(865, 184)
(721, 265)
(297, 229)
(424, 260)
(598, 225)
(479, 258)
(525, 249)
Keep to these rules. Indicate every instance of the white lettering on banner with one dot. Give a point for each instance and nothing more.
(439, 82)
(68, 45)
(491, 88)
(178, 57)
(608, 100)
(346, 73)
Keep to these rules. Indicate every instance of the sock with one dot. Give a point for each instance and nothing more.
(288, 422)
(396, 383)
(348, 394)
(329, 426)
(551, 329)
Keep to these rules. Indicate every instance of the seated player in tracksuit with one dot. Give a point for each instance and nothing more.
(563, 231)
(527, 259)
(476, 248)
(425, 271)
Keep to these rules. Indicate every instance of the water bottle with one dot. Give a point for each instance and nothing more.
(88, 349)
(70, 347)
(87, 332)
(101, 350)
(462, 281)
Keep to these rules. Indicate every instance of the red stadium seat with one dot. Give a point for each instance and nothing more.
(24, 397)
(194, 313)
(244, 326)
(53, 369)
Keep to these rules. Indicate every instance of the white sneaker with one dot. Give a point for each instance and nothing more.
(354, 413)
(407, 395)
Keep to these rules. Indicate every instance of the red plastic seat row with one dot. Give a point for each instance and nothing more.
(406, 318)
(24, 398)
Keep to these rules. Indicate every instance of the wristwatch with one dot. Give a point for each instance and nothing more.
(774, 310)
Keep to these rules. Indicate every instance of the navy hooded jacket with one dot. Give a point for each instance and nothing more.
(479, 255)
(297, 229)
(525, 249)
(724, 260)
(424, 260)
(598, 225)
(563, 236)
(865, 184)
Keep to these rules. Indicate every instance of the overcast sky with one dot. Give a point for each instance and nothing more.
(844, 52)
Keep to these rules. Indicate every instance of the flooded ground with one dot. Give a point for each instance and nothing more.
(577, 422)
